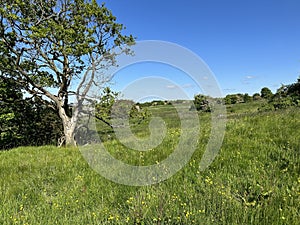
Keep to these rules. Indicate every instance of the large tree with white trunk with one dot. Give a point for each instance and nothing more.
(58, 48)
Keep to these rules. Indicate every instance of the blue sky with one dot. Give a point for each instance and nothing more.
(247, 44)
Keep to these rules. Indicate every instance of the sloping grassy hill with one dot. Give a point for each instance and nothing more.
(254, 180)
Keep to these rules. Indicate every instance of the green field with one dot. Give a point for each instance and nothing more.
(255, 179)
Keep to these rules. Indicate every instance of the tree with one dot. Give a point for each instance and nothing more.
(266, 93)
(247, 98)
(57, 44)
(10, 96)
(294, 90)
(256, 97)
(25, 121)
(201, 103)
(231, 99)
(103, 109)
(286, 96)
(111, 107)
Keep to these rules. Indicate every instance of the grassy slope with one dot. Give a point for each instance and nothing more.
(254, 180)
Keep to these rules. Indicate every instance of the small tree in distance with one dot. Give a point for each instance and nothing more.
(266, 93)
(231, 99)
(247, 98)
(51, 44)
(256, 96)
(201, 103)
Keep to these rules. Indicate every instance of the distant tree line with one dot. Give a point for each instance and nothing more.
(285, 96)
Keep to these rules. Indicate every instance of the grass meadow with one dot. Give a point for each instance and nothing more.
(255, 179)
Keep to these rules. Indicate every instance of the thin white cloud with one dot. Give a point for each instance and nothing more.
(229, 89)
(182, 86)
(171, 86)
(187, 86)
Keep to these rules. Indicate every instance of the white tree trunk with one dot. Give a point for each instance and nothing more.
(69, 133)
(69, 125)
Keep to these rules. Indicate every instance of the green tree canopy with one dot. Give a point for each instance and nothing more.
(25, 121)
(266, 93)
(51, 44)
(201, 103)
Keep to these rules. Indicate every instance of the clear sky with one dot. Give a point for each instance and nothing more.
(247, 44)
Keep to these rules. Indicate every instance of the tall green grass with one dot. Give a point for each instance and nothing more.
(255, 179)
